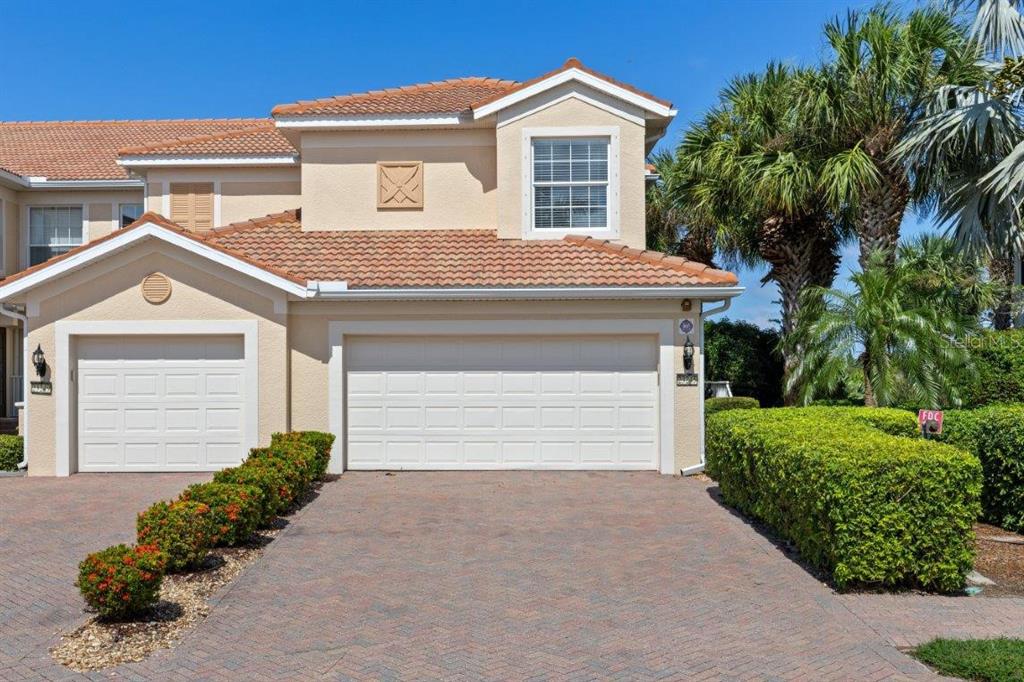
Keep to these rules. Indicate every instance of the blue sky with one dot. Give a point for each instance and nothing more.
(89, 60)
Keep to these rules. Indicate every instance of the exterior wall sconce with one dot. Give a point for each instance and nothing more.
(688, 354)
(39, 360)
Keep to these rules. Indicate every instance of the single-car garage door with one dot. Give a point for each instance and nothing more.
(160, 403)
(558, 402)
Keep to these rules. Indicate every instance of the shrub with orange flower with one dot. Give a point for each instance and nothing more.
(183, 530)
(235, 509)
(122, 582)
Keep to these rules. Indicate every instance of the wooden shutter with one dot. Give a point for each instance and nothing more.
(192, 205)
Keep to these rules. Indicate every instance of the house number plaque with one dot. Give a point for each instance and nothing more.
(41, 388)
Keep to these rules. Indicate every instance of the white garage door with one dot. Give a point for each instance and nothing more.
(162, 403)
(502, 402)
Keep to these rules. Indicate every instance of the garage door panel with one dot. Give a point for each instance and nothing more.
(492, 402)
(160, 403)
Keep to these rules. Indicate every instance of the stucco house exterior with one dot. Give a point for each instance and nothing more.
(448, 275)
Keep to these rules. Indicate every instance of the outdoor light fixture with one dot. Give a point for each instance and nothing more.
(39, 360)
(688, 354)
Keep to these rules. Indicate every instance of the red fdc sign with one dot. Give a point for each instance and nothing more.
(926, 416)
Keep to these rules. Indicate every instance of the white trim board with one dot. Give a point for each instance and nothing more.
(184, 161)
(663, 329)
(301, 122)
(65, 364)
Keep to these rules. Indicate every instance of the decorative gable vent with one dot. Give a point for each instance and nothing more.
(156, 288)
(400, 184)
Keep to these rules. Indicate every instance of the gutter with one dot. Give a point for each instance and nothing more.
(40, 182)
(705, 314)
(338, 290)
(21, 317)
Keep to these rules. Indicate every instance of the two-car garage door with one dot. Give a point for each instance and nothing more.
(160, 403)
(558, 402)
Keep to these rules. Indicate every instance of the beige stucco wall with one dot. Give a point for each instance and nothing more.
(100, 211)
(201, 290)
(569, 113)
(240, 193)
(10, 221)
(339, 179)
(310, 352)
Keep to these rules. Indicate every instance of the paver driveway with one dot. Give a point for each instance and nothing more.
(550, 575)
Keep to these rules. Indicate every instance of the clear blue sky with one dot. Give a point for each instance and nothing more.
(90, 60)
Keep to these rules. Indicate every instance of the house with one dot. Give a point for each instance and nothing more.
(449, 275)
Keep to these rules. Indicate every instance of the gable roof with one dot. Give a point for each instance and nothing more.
(88, 150)
(259, 141)
(452, 96)
(456, 258)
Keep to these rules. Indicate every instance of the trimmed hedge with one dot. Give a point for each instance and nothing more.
(272, 484)
(12, 451)
(868, 507)
(183, 531)
(294, 473)
(121, 581)
(320, 441)
(235, 510)
(995, 434)
(998, 368)
(715, 405)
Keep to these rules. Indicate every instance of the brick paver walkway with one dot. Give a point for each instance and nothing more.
(511, 576)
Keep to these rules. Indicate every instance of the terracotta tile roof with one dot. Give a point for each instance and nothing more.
(87, 150)
(571, 63)
(443, 97)
(454, 258)
(259, 141)
(145, 218)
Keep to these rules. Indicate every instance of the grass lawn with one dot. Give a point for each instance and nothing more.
(990, 660)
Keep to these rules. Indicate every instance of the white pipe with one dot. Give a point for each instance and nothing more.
(704, 314)
(4, 310)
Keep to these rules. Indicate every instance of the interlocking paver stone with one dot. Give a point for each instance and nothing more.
(501, 575)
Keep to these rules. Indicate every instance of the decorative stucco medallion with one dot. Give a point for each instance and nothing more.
(400, 184)
(156, 288)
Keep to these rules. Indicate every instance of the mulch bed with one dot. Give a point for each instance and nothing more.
(999, 560)
(184, 602)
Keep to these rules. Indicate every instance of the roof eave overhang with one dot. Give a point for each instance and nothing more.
(208, 160)
(653, 108)
(131, 236)
(39, 182)
(333, 122)
(333, 291)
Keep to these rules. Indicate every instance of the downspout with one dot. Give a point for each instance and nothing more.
(704, 314)
(21, 317)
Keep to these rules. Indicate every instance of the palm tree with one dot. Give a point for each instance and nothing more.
(669, 230)
(943, 276)
(751, 174)
(884, 70)
(898, 343)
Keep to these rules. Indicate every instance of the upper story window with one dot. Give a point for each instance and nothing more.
(192, 205)
(570, 183)
(128, 214)
(53, 230)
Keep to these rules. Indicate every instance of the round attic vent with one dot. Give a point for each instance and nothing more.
(156, 288)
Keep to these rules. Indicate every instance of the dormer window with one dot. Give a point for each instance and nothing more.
(570, 182)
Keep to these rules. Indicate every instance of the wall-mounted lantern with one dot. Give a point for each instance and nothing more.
(688, 354)
(39, 360)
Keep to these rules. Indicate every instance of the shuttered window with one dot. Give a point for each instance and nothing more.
(192, 205)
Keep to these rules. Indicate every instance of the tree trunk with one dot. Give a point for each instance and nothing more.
(801, 253)
(869, 391)
(1001, 272)
(881, 213)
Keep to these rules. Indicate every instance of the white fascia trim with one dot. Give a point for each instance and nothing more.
(38, 182)
(383, 121)
(61, 377)
(662, 330)
(645, 103)
(147, 231)
(615, 111)
(324, 291)
(268, 160)
(13, 178)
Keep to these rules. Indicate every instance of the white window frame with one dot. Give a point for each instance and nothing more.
(26, 228)
(117, 212)
(612, 231)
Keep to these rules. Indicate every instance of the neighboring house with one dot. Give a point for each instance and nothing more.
(447, 276)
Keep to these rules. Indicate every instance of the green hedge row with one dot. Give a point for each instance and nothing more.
(715, 405)
(123, 582)
(998, 368)
(12, 451)
(995, 434)
(854, 489)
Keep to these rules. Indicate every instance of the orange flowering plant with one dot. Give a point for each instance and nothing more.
(235, 509)
(121, 582)
(183, 530)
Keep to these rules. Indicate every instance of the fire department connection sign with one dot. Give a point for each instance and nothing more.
(930, 418)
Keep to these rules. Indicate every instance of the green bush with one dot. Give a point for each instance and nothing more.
(996, 435)
(715, 405)
(320, 441)
(276, 493)
(12, 451)
(120, 582)
(182, 530)
(295, 474)
(235, 510)
(999, 368)
(869, 507)
(747, 357)
(300, 455)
